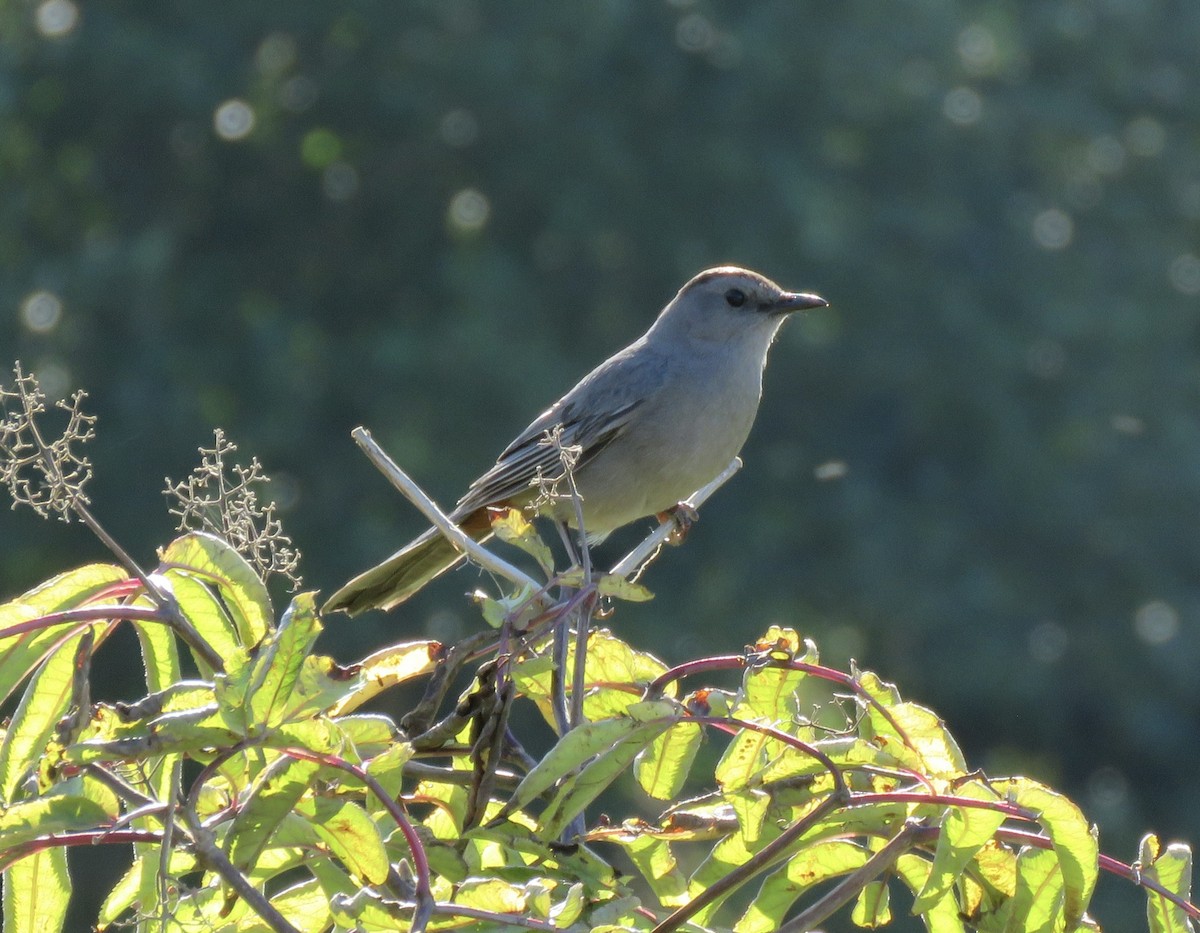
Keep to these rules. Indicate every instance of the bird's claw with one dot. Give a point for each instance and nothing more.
(683, 516)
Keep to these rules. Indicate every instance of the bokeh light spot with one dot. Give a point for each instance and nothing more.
(1048, 642)
(963, 106)
(1156, 623)
(694, 33)
(830, 470)
(233, 120)
(977, 49)
(56, 18)
(340, 181)
(41, 311)
(469, 211)
(1053, 229)
(320, 147)
(276, 54)
(298, 94)
(54, 377)
(1184, 273)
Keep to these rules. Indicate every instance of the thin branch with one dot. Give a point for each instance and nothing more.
(846, 889)
(427, 507)
(424, 895)
(761, 860)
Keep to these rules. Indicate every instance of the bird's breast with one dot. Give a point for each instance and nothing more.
(679, 440)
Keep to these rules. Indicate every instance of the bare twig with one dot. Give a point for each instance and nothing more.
(427, 507)
(846, 889)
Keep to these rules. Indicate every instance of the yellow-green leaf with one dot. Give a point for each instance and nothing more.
(1074, 840)
(210, 558)
(943, 916)
(20, 654)
(872, 909)
(808, 867)
(47, 699)
(387, 668)
(964, 831)
(36, 891)
(663, 767)
(350, 835)
(272, 797)
(655, 860)
(1172, 868)
(1037, 905)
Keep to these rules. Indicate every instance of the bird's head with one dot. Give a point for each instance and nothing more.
(728, 302)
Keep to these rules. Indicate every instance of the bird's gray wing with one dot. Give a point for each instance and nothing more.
(591, 416)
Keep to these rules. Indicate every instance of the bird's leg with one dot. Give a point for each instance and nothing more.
(684, 516)
(564, 533)
(562, 631)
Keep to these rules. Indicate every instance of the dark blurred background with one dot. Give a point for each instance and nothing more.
(976, 473)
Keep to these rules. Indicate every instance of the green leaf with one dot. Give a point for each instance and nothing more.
(351, 836)
(784, 886)
(385, 669)
(656, 862)
(320, 686)
(47, 698)
(160, 655)
(579, 790)
(617, 676)
(273, 796)
(619, 587)
(871, 909)
(276, 666)
(388, 768)
(1037, 905)
(964, 831)
(1172, 868)
(942, 916)
(208, 615)
(583, 743)
(208, 557)
(568, 911)
(139, 885)
(663, 767)
(20, 654)
(370, 733)
(491, 894)
(305, 906)
(36, 891)
(512, 527)
(751, 807)
(915, 738)
(42, 816)
(1073, 839)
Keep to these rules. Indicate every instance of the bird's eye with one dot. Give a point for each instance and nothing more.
(735, 297)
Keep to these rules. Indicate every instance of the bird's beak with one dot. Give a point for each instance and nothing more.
(796, 301)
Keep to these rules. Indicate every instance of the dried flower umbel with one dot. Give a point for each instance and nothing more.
(222, 498)
(48, 476)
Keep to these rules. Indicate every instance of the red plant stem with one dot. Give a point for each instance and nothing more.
(1109, 864)
(724, 662)
(90, 837)
(424, 894)
(91, 614)
(730, 724)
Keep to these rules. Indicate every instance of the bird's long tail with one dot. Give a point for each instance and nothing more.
(390, 583)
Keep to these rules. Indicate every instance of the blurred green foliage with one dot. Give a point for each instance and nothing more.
(977, 472)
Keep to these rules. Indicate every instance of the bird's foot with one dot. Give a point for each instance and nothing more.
(684, 517)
